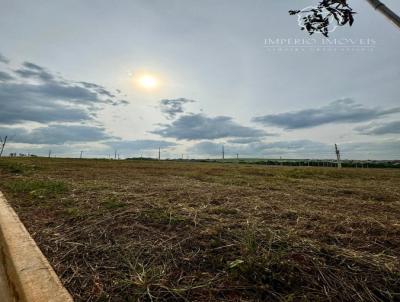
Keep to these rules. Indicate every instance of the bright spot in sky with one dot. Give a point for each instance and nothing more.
(148, 81)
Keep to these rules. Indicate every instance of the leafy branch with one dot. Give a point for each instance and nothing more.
(319, 18)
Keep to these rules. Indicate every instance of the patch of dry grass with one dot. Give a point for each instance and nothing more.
(165, 231)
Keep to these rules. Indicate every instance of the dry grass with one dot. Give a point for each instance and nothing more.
(164, 231)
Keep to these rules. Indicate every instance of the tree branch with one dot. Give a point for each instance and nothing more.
(387, 12)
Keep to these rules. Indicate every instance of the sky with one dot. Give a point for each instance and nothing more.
(189, 76)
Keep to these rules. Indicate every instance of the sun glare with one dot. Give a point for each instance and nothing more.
(148, 81)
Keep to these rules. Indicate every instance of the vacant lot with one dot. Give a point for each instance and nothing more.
(165, 231)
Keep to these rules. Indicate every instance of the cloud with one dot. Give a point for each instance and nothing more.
(37, 103)
(32, 66)
(296, 149)
(380, 128)
(288, 149)
(146, 148)
(4, 76)
(206, 148)
(99, 89)
(172, 107)
(90, 149)
(26, 73)
(132, 145)
(32, 70)
(90, 85)
(304, 149)
(40, 96)
(3, 59)
(55, 134)
(245, 140)
(386, 149)
(340, 111)
(200, 126)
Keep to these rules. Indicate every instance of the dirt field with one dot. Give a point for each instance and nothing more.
(165, 231)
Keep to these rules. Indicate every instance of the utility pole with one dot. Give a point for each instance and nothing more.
(223, 153)
(3, 144)
(387, 12)
(115, 154)
(339, 163)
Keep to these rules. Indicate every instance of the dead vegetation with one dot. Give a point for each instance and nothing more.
(164, 231)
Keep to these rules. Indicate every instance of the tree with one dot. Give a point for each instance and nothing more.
(320, 18)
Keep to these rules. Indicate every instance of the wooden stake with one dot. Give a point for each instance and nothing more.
(3, 145)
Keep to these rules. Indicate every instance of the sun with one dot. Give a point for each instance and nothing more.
(148, 81)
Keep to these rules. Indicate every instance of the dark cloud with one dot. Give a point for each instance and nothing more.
(55, 134)
(4, 76)
(105, 92)
(172, 107)
(71, 92)
(340, 111)
(38, 74)
(120, 102)
(32, 66)
(89, 85)
(50, 98)
(199, 126)
(3, 59)
(98, 88)
(380, 128)
(31, 70)
(39, 103)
